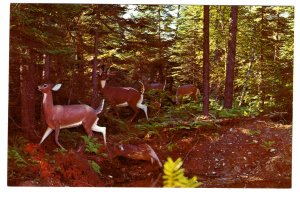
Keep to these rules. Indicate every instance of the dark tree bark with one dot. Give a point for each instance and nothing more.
(28, 93)
(94, 73)
(206, 61)
(228, 95)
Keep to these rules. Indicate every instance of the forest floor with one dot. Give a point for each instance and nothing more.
(248, 152)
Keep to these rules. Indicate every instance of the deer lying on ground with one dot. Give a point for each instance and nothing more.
(142, 152)
(186, 90)
(122, 96)
(68, 116)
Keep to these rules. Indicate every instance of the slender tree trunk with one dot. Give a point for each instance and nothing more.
(228, 95)
(171, 79)
(206, 61)
(28, 90)
(262, 61)
(247, 78)
(194, 54)
(46, 72)
(94, 73)
(160, 65)
(46, 79)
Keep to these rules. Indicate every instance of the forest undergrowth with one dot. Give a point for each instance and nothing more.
(176, 132)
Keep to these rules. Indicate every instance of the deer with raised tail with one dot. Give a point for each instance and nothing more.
(68, 116)
(122, 96)
(186, 90)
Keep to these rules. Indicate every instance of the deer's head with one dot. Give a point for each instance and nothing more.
(48, 87)
(104, 74)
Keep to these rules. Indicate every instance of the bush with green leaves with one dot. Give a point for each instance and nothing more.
(16, 152)
(174, 175)
(91, 144)
(15, 156)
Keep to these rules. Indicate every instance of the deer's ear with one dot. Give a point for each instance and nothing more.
(100, 71)
(108, 70)
(56, 87)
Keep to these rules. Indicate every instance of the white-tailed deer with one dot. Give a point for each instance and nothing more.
(68, 116)
(122, 96)
(155, 86)
(186, 90)
(142, 152)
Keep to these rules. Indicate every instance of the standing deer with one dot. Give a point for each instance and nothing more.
(68, 116)
(122, 96)
(186, 90)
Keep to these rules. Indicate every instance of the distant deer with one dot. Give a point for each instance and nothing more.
(186, 90)
(68, 116)
(122, 96)
(155, 86)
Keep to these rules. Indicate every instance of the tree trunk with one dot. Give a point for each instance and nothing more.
(206, 61)
(228, 95)
(247, 78)
(46, 73)
(28, 90)
(95, 101)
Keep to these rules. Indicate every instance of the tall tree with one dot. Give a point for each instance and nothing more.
(206, 61)
(228, 95)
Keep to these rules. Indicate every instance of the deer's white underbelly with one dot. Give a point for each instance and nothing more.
(75, 124)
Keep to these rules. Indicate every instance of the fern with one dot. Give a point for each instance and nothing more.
(91, 144)
(95, 166)
(14, 155)
(174, 175)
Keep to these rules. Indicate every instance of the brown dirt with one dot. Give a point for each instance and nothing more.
(238, 153)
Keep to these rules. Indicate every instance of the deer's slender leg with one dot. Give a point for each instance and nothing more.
(136, 111)
(102, 130)
(144, 108)
(57, 130)
(46, 134)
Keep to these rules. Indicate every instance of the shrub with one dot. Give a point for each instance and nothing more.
(92, 145)
(174, 175)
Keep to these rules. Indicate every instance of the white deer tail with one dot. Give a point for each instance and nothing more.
(100, 108)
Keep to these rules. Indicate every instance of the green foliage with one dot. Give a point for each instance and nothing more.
(181, 117)
(16, 152)
(267, 144)
(15, 156)
(69, 136)
(95, 166)
(171, 146)
(91, 144)
(119, 124)
(150, 126)
(235, 112)
(174, 175)
(254, 132)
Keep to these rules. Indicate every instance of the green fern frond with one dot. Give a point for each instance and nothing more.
(174, 175)
(92, 145)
